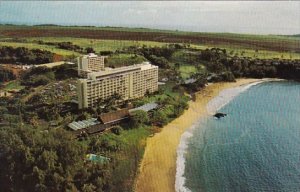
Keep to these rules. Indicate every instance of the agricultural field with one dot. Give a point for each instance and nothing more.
(260, 42)
(117, 38)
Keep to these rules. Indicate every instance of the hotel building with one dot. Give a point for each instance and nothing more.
(90, 63)
(129, 82)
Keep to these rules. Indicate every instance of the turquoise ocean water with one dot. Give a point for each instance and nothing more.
(255, 148)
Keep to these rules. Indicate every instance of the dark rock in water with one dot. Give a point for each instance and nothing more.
(219, 115)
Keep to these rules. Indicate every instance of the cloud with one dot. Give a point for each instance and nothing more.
(215, 16)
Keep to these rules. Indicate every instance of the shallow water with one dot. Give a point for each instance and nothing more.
(256, 147)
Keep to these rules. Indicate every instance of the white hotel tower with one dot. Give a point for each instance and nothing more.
(129, 82)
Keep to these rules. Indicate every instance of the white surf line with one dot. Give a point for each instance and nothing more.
(229, 94)
(213, 105)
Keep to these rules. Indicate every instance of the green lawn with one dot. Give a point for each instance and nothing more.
(187, 70)
(13, 85)
(165, 91)
(119, 60)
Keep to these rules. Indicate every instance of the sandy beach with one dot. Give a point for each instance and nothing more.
(158, 167)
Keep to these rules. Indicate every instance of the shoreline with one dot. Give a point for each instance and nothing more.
(157, 171)
(223, 98)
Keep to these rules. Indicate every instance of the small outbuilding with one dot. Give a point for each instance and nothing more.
(115, 117)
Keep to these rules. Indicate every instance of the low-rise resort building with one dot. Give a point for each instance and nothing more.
(106, 121)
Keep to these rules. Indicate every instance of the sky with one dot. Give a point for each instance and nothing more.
(253, 17)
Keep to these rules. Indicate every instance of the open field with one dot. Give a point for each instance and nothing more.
(38, 46)
(113, 45)
(98, 44)
(246, 52)
(264, 42)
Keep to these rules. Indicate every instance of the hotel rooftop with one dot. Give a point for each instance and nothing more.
(120, 70)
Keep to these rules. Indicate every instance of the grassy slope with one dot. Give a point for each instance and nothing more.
(131, 154)
(13, 85)
(119, 60)
(187, 70)
(261, 54)
(38, 46)
(98, 45)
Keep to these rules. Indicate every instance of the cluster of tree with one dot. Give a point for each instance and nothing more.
(157, 55)
(161, 62)
(217, 61)
(169, 108)
(19, 108)
(39, 160)
(90, 50)
(62, 45)
(119, 60)
(69, 46)
(225, 76)
(107, 105)
(37, 76)
(139, 118)
(213, 54)
(106, 53)
(6, 75)
(243, 67)
(23, 55)
(44, 75)
(198, 81)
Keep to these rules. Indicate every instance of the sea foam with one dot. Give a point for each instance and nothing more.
(213, 106)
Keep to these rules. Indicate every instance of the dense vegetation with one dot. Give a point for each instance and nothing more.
(40, 160)
(63, 45)
(219, 65)
(24, 55)
(44, 75)
(35, 159)
(6, 75)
